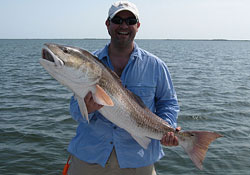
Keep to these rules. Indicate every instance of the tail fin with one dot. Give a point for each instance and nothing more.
(196, 143)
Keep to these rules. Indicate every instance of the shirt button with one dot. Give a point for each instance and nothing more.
(115, 127)
(111, 143)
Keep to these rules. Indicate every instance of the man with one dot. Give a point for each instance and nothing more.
(100, 147)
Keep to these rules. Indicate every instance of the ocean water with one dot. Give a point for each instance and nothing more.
(212, 80)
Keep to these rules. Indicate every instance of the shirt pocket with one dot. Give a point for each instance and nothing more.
(145, 92)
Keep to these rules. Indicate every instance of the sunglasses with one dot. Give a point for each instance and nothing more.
(128, 21)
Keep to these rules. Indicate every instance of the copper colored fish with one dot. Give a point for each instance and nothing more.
(82, 72)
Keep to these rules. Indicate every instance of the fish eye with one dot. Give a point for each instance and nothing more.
(65, 50)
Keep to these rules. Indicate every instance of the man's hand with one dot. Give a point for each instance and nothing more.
(170, 139)
(91, 105)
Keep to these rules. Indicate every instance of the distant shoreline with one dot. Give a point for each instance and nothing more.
(108, 39)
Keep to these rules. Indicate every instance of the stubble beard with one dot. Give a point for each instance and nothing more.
(123, 42)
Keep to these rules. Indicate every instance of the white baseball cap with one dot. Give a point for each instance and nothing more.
(121, 6)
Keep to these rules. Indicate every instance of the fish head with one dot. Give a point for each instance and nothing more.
(71, 66)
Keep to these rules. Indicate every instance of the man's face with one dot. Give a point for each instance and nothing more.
(122, 34)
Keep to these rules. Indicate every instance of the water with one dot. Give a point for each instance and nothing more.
(212, 80)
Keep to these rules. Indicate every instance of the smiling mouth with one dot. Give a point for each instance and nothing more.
(123, 33)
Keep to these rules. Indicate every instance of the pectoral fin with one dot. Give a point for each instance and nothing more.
(143, 141)
(102, 98)
(83, 108)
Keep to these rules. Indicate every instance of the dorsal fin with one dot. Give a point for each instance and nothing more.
(99, 61)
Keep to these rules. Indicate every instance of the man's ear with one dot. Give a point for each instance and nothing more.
(138, 25)
(107, 23)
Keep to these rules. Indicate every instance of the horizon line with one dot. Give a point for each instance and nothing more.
(135, 39)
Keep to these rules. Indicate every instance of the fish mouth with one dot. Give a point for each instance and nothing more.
(49, 56)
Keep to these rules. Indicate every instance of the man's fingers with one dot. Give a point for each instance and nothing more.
(163, 140)
(88, 97)
(90, 103)
(176, 143)
(169, 139)
(178, 128)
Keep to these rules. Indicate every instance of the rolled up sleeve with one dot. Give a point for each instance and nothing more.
(166, 99)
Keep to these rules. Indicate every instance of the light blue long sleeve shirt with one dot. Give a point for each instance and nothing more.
(148, 77)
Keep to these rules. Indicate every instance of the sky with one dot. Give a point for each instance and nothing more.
(160, 19)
